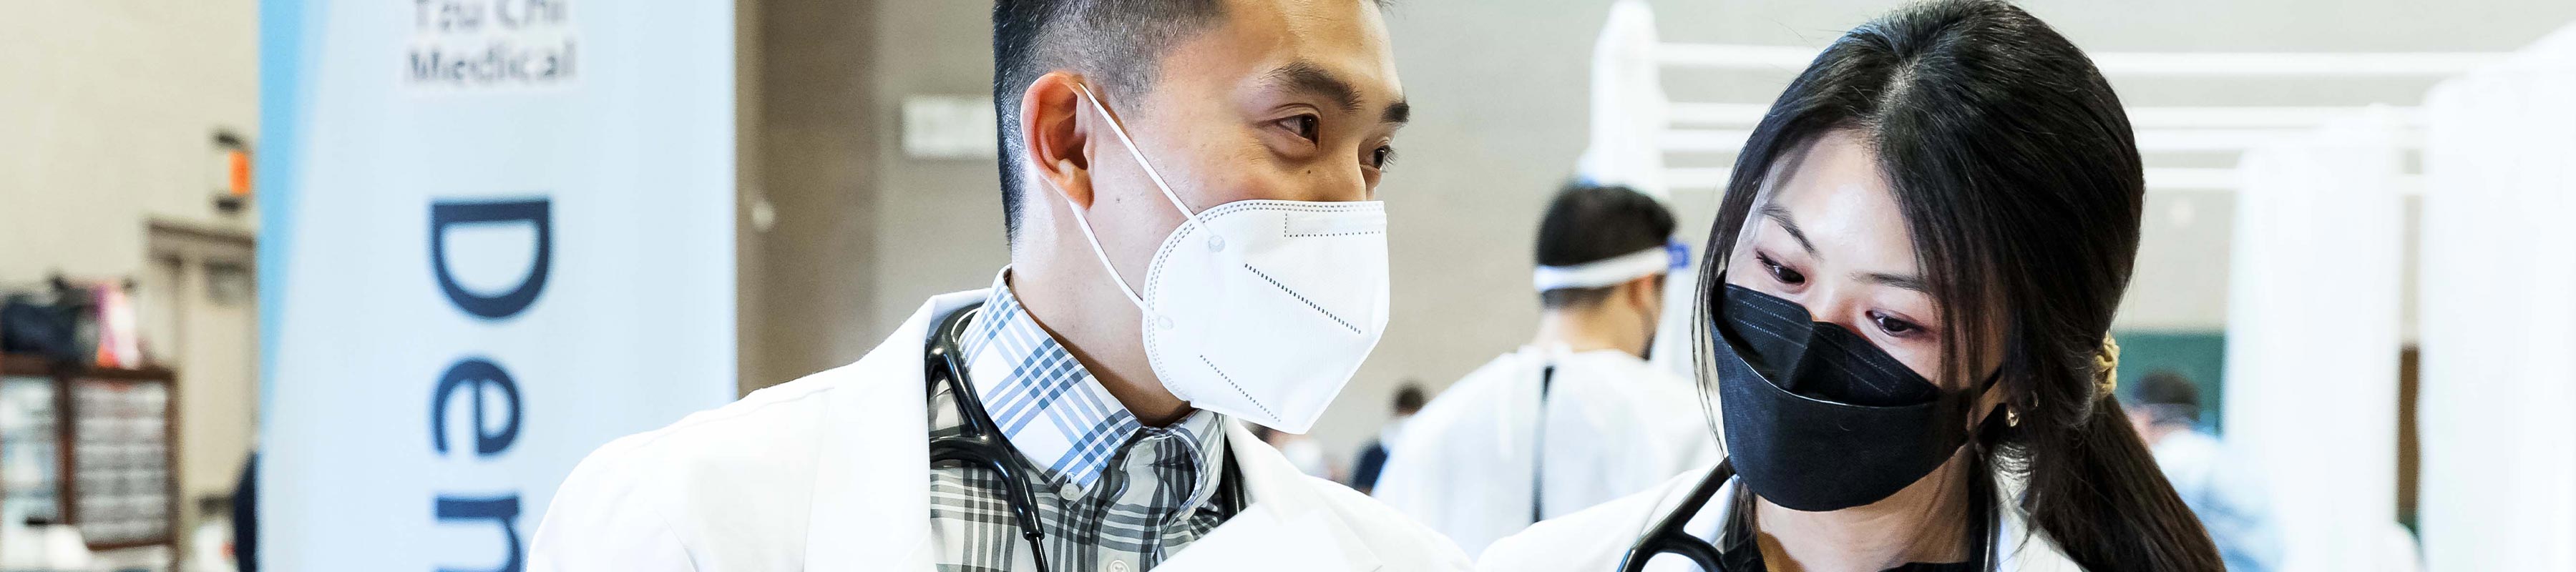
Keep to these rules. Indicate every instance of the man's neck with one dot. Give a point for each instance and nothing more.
(1583, 330)
(2156, 433)
(1101, 334)
(1925, 522)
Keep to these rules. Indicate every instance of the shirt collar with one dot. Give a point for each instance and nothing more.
(1052, 410)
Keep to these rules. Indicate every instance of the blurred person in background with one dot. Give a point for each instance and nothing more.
(1578, 416)
(1190, 194)
(1372, 458)
(2221, 489)
(245, 517)
(1302, 452)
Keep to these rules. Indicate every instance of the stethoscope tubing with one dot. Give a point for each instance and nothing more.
(980, 442)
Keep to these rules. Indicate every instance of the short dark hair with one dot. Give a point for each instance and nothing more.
(1410, 397)
(1590, 223)
(2170, 396)
(1116, 43)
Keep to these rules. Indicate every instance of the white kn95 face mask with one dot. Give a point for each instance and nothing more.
(1258, 309)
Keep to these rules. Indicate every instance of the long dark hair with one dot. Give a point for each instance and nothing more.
(2017, 174)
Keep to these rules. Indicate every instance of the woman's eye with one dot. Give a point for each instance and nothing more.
(1305, 126)
(1782, 273)
(1893, 326)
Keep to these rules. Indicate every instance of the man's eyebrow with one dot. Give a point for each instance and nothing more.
(1914, 283)
(1306, 77)
(1781, 216)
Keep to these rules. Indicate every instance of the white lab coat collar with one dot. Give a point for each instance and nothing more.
(1287, 526)
(881, 422)
(2016, 549)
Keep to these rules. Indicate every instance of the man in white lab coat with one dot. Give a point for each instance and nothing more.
(1190, 190)
(1576, 418)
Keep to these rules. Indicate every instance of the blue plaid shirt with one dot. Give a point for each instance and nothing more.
(1112, 493)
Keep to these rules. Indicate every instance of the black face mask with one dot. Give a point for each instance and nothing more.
(1817, 418)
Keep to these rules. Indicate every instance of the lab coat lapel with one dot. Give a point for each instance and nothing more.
(2020, 549)
(1288, 526)
(2017, 548)
(872, 481)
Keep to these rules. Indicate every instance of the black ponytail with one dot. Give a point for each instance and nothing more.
(2018, 176)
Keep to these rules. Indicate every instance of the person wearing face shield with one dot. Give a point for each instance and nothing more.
(1577, 416)
(1189, 188)
(1903, 327)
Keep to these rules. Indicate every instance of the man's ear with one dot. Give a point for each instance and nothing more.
(1643, 293)
(1051, 129)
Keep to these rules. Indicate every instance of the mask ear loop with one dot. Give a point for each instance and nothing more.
(2012, 417)
(1114, 278)
(1187, 218)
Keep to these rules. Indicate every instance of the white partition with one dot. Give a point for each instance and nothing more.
(2498, 400)
(2312, 335)
(1628, 107)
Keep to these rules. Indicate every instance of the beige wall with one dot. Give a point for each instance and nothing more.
(108, 106)
(1499, 90)
(107, 115)
(809, 140)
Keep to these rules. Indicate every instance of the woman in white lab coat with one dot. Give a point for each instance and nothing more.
(1903, 323)
(1575, 418)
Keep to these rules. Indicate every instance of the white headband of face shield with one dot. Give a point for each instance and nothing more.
(1611, 271)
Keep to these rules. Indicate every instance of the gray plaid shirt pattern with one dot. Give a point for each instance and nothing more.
(1112, 494)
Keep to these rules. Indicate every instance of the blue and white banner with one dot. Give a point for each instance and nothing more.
(495, 234)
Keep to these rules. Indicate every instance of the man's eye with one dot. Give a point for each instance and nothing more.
(1893, 326)
(1305, 126)
(1382, 157)
(1782, 273)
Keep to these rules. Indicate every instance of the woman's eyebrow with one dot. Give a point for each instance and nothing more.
(1781, 216)
(1907, 282)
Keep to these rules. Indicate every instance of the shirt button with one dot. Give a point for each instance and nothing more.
(1117, 566)
(1069, 491)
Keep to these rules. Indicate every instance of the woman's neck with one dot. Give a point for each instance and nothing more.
(1925, 522)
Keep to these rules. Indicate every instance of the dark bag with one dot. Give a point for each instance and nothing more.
(50, 330)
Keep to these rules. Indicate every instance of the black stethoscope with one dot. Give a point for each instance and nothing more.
(979, 442)
(1671, 536)
(1538, 449)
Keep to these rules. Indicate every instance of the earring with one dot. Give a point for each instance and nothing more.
(2012, 418)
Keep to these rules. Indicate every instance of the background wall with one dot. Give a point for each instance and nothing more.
(108, 107)
(107, 116)
(1500, 93)
(808, 134)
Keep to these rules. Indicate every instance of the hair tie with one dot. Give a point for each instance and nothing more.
(2108, 360)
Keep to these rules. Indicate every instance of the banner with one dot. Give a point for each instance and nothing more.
(495, 234)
